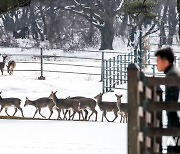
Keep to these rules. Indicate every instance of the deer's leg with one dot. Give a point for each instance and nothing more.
(104, 114)
(51, 112)
(116, 115)
(96, 115)
(93, 111)
(69, 113)
(35, 113)
(15, 111)
(74, 112)
(59, 117)
(102, 117)
(21, 111)
(86, 114)
(41, 114)
(1, 109)
(65, 118)
(2, 71)
(6, 111)
(126, 118)
(81, 114)
(121, 117)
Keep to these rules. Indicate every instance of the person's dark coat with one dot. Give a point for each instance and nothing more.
(172, 95)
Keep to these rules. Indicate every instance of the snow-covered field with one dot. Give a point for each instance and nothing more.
(55, 136)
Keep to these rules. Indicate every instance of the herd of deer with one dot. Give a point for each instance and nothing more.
(10, 67)
(77, 104)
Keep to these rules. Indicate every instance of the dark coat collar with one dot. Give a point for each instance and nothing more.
(168, 68)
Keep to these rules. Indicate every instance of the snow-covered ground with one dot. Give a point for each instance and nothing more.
(65, 137)
(55, 136)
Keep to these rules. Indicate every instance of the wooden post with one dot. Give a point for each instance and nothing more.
(41, 77)
(133, 103)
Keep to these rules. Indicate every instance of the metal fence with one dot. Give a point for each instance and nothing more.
(44, 61)
(115, 69)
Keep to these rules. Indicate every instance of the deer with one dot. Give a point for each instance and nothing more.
(122, 107)
(106, 107)
(7, 102)
(87, 103)
(67, 104)
(10, 67)
(41, 103)
(2, 64)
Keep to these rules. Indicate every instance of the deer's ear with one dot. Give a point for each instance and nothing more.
(0, 92)
(55, 92)
(121, 95)
(26, 98)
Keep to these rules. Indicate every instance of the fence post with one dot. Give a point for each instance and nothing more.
(102, 67)
(125, 69)
(41, 77)
(110, 74)
(121, 73)
(153, 68)
(102, 76)
(114, 72)
(133, 103)
(117, 75)
(106, 85)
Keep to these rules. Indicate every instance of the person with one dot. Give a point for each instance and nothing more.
(165, 60)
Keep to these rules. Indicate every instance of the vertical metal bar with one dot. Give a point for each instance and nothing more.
(106, 78)
(114, 72)
(125, 74)
(41, 62)
(140, 48)
(153, 67)
(117, 70)
(102, 78)
(121, 73)
(102, 67)
(110, 75)
(129, 54)
(41, 77)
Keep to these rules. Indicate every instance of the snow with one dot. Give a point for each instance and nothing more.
(57, 136)
(62, 137)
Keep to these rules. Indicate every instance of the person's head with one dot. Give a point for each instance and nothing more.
(165, 57)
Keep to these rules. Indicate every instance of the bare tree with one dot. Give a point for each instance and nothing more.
(100, 13)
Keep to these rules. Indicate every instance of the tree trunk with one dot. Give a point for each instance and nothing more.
(107, 36)
(172, 24)
(178, 10)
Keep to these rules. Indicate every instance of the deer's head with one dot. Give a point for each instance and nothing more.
(118, 97)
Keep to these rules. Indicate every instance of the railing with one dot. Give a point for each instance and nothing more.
(145, 106)
(114, 70)
(53, 63)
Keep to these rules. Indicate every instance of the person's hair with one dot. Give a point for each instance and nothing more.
(166, 53)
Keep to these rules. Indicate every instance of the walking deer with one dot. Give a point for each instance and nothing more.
(2, 64)
(10, 67)
(106, 107)
(122, 108)
(86, 103)
(41, 103)
(7, 102)
(67, 104)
